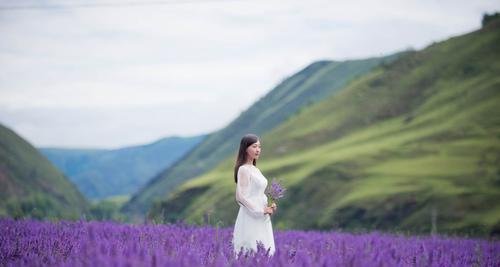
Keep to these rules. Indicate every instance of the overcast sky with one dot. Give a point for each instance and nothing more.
(108, 76)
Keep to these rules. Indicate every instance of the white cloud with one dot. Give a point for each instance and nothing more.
(110, 68)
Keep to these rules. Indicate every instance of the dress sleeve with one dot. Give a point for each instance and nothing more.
(242, 191)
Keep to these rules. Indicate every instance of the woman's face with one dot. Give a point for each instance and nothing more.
(253, 151)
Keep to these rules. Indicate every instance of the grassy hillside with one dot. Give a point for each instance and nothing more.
(306, 87)
(30, 186)
(99, 174)
(413, 146)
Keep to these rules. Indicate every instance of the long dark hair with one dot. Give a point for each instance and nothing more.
(241, 159)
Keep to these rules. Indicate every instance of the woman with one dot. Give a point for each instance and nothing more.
(253, 223)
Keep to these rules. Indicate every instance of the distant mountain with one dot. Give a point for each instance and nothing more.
(104, 173)
(30, 186)
(413, 145)
(308, 86)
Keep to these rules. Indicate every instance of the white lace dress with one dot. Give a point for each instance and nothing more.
(251, 224)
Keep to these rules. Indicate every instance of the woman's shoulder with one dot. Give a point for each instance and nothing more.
(246, 167)
(243, 167)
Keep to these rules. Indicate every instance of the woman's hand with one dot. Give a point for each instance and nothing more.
(274, 206)
(268, 210)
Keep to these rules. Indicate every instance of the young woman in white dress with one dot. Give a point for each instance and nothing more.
(253, 223)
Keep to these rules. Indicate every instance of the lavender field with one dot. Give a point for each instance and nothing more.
(81, 243)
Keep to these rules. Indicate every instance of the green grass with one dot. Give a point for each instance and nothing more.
(417, 135)
(118, 200)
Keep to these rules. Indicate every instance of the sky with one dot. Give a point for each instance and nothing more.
(110, 74)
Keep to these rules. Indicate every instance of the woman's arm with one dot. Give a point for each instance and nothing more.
(242, 190)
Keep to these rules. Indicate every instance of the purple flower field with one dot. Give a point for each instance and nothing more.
(80, 243)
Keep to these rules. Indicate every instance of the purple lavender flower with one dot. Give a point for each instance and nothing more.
(81, 243)
(275, 191)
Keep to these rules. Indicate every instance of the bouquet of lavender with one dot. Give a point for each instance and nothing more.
(274, 192)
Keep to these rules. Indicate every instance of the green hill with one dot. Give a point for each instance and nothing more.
(100, 173)
(30, 186)
(306, 87)
(414, 145)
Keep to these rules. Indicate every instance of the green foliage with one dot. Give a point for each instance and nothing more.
(487, 18)
(106, 210)
(38, 206)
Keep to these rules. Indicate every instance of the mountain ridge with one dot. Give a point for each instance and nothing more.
(31, 186)
(303, 88)
(102, 173)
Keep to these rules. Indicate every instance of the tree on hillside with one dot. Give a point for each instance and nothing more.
(489, 18)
